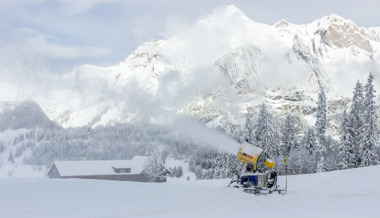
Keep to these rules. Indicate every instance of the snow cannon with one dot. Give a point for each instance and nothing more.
(259, 177)
(254, 157)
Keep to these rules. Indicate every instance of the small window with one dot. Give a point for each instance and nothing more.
(122, 170)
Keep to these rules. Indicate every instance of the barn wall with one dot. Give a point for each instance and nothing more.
(130, 177)
(53, 172)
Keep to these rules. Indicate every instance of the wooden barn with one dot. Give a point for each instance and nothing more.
(122, 170)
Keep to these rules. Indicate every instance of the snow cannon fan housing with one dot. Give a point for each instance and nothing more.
(254, 157)
(259, 178)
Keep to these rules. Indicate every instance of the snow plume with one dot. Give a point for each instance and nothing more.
(277, 72)
(345, 74)
(206, 40)
(197, 133)
(193, 50)
(178, 87)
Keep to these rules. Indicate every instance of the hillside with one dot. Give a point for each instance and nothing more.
(332, 194)
(26, 114)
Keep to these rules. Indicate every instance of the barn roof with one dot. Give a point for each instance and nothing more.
(99, 167)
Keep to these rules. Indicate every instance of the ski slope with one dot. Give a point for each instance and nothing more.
(347, 193)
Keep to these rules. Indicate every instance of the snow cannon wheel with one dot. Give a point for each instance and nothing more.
(272, 179)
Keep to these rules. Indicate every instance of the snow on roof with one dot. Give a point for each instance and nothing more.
(99, 167)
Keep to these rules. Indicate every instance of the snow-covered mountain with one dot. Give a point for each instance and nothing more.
(28, 115)
(215, 70)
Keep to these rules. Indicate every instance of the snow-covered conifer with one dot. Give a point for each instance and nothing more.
(356, 120)
(2, 146)
(264, 132)
(320, 127)
(369, 137)
(288, 136)
(248, 129)
(179, 172)
(10, 158)
(346, 151)
(153, 168)
(321, 122)
(309, 141)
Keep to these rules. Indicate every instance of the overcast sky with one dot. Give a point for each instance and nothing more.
(58, 35)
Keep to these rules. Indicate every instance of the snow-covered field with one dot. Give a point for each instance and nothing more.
(348, 193)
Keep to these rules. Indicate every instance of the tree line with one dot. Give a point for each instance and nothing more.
(306, 150)
(314, 151)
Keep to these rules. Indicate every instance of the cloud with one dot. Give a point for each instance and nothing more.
(32, 52)
(194, 48)
(11, 3)
(77, 7)
(173, 25)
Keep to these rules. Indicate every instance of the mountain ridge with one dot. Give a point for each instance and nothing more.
(224, 62)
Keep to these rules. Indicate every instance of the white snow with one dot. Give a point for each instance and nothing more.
(348, 193)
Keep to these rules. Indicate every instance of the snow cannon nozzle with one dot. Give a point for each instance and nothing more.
(269, 163)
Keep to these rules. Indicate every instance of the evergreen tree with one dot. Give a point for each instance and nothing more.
(320, 127)
(260, 126)
(321, 122)
(153, 168)
(346, 151)
(2, 146)
(288, 136)
(248, 130)
(356, 120)
(369, 134)
(10, 158)
(264, 132)
(179, 172)
(309, 141)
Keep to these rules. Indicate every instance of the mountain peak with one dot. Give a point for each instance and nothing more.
(343, 33)
(334, 19)
(281, 24)
(233, 9)
(230, 11)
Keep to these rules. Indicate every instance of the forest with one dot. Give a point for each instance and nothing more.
(305, 150)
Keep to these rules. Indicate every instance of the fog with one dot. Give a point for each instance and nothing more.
(190, 50)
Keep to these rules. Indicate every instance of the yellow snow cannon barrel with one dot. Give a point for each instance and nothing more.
(253, 156)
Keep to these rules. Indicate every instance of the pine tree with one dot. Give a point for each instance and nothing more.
(248, 130)
(321, 122)
(369, 139)
(346, 151)
(260, 126)
(320, 127)
(356, 120)
(153, 168)
(10, 158)
(288, 136)
(179, 172)
(264, 132)
(309, 141)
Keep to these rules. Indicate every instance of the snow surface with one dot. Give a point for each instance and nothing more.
(347, 193)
